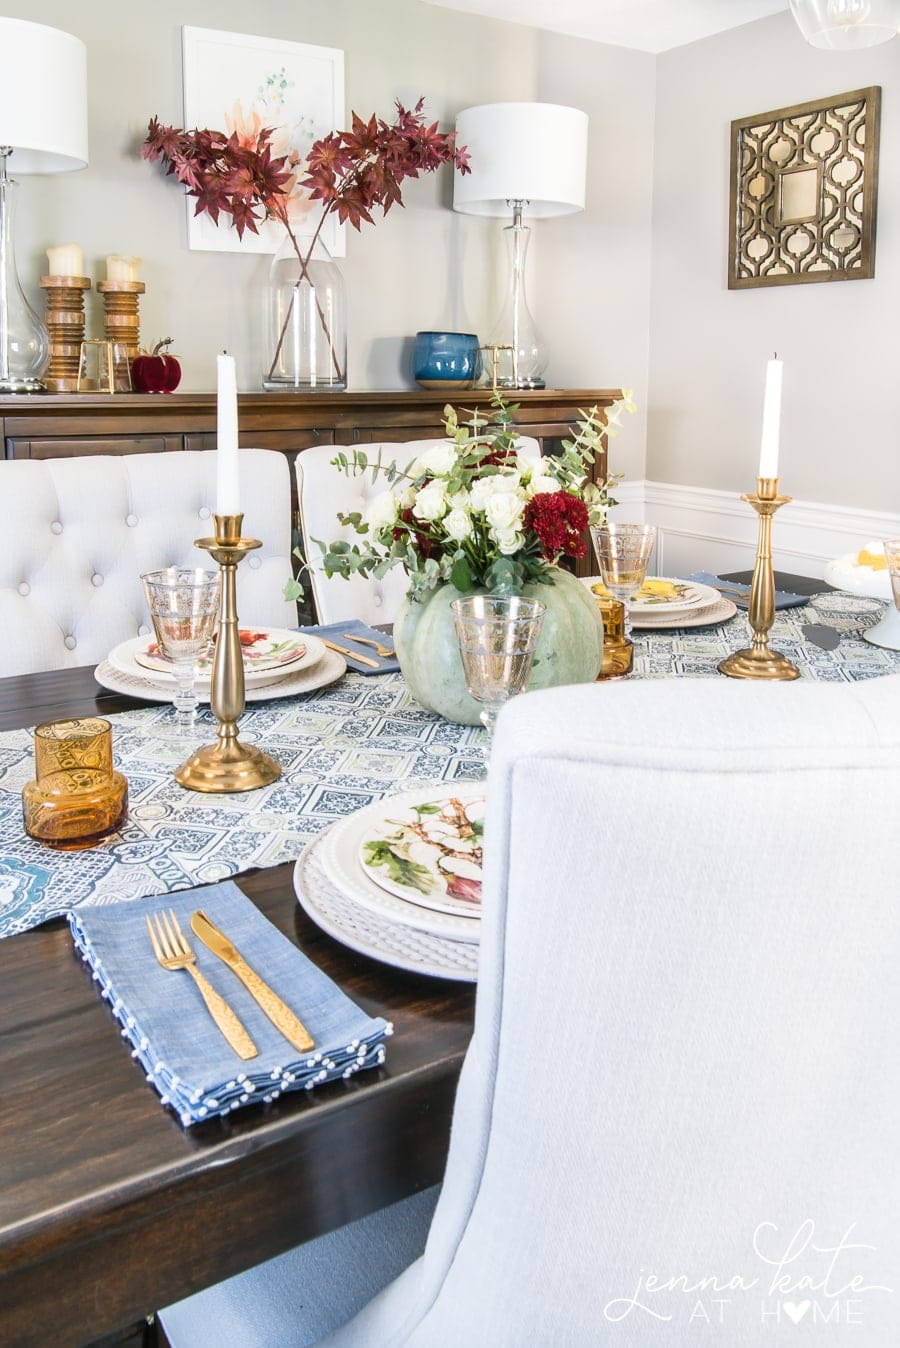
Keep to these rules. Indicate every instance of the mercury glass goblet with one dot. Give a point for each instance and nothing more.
(497, 639)
(623, 552)
(184, 606)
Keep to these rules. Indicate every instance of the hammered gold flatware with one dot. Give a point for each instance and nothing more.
(281, 1016)
(383, 651)
(173, 952)
(354, 655)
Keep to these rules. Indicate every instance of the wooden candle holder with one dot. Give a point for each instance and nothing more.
(121, 316)
(65, 324)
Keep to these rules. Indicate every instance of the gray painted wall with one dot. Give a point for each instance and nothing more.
(709, 345)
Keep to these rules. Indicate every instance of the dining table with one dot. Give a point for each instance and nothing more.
(109, 1207)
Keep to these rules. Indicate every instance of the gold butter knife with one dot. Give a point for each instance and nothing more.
(353, 655)
(281, 1016)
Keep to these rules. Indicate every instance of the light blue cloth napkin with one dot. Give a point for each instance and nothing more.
(339, 631)
(172, 1034)
(733, 589)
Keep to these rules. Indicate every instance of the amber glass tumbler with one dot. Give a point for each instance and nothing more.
(77, 797)
(618, 651)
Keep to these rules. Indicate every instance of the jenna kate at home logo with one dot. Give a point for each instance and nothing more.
(803, 1276)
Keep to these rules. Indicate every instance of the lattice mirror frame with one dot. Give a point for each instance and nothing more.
(804, 183)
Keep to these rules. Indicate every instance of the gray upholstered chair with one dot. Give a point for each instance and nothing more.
(685, 1060)
(79, 532)
(325, 492)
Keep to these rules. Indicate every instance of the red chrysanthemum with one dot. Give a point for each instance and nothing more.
(559, 520)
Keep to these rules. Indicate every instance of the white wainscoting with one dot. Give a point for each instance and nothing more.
(715, 531)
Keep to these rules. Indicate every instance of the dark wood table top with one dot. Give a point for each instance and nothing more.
(108, 1207)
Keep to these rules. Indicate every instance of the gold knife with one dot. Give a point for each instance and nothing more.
(353, 655)
(281, 1016)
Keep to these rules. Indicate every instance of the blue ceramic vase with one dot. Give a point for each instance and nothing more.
(445, 359)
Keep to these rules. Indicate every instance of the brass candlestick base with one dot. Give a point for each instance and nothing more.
(228, 765)
(65, 324)
(121, 316)
(758, 661)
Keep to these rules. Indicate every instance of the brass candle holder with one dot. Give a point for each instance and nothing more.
(758, 661)
(65, 324)
(120, 312)
(228, 765)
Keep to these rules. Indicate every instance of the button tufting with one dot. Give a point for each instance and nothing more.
(70, 643)
(377, 600)
(204, 512)
(254, 563)
(56, 527)
(24, 588)
(131, 520)
(97, 579)
(143, 630)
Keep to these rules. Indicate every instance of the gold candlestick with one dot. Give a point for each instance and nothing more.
(227, 765)
(120, 312)
(758, 661)
(65, 324)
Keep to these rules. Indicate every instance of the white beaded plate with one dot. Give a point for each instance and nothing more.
(366, 932)
(327, 670)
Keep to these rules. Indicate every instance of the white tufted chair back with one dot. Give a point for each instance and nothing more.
(79, 532)
(324, 493)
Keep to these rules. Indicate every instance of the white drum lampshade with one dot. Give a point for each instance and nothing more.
(526, 158)
(43, 129)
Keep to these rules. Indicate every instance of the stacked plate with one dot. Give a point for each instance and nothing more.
(277, 663)
(664, 602)
(401, 880)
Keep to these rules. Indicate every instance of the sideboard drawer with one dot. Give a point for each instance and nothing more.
(18, 447)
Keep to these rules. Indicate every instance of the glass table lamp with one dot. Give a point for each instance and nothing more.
(525, 157)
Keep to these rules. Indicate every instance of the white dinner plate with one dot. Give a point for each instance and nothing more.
(374, 935)
(262, 648)
(123, 659)
(690, 594)
(708, 615)
(290, 684)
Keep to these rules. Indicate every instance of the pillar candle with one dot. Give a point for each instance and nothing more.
(227, 489)
(66, 260)
(120, 268)
(771, 424)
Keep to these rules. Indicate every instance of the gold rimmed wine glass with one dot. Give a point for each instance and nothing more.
(497, 639)
(184, 606)
(623, 553)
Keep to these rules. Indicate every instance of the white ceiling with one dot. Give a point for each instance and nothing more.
(647, 25)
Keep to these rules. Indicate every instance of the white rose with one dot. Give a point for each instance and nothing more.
(508, 540)
(439, 461)
(503, 510)
(483, 488)
(381, 511)
(431, 501)
(458, 525)
(539, 485)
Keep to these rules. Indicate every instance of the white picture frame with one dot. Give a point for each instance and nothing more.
(234, 80)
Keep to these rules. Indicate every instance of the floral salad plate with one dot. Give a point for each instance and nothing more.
(429, 851)
(268, 648)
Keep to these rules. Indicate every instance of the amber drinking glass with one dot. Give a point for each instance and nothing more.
(77, 797)
(497, 639)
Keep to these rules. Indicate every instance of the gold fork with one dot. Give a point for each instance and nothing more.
(367, 641)
(173, 952)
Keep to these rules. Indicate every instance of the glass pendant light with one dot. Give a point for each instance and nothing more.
(846, 25)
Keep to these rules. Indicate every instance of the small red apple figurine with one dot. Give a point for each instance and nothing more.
(156, 371)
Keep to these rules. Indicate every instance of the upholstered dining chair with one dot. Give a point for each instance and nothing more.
(325, 492)
(79, 532)
(682, 1095)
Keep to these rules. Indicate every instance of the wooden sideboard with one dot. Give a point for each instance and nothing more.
(54, 425)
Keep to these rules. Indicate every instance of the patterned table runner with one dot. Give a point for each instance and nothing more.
(340, 749)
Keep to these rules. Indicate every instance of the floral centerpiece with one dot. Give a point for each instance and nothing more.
(475, 512)
(351, 173)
